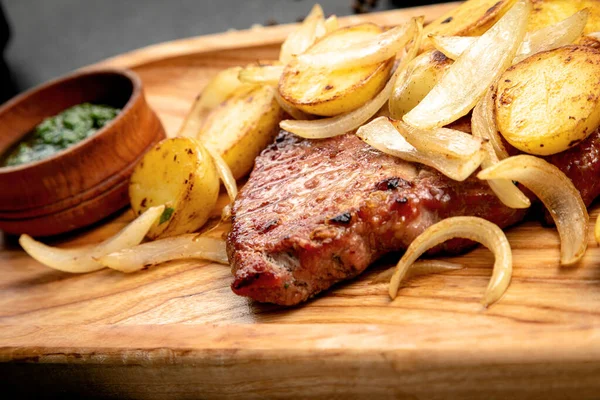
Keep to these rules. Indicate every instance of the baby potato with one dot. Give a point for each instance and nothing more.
(329, 92)
(549, 12)
(178, 173)
(549, 102)
(242, 126)
(471, 18)
(423, 74)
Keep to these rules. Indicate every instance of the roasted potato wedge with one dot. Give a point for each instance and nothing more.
(242, 126)
(548, 12)
(328, 92)
(550, 101)
(423, 74)
(178, 173)
(471, 18)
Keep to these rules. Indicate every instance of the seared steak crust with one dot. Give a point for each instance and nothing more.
(314, 213)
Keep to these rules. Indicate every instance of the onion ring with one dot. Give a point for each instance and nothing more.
(82, 259)
(558, 194)
(188, 246)
(472, 228)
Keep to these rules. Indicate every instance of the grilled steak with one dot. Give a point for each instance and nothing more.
(314, 213)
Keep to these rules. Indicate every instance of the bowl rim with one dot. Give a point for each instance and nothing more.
(136, 93)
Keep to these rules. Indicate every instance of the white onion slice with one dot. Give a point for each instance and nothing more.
(558, 194)
(298, 41)
(551, 37)
(452, 46)
(261, 74)
(445, 141)
(335, 126)
(376, 50)
(189, 246)
(219, 89)
(81, 259)
(331, 23)
(382, 135)
(483, 126)
(224, 173)
(472, 228)
(419, 268)
(554, 36)
(473, 72)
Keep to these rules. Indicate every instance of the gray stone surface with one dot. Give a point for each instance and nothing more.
(52, 37)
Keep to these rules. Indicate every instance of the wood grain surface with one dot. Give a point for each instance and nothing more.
(177, 330)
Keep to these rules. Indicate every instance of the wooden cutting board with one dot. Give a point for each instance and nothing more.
(177, 331)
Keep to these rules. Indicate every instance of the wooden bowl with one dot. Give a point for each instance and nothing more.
(66, 191)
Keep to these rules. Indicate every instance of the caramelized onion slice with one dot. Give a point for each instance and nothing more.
(558, 194)
(447, 142)
(189, 246)
(466, 80)
(298, 41)
(82, 259)
(376, 50)
(419, 268)
(261, 74)
(472, 228)
(548, 38)
(382, 135)
(483, 126)
(341, 124)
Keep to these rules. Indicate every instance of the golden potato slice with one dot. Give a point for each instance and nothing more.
(178, 173)
(242, 126)
(471, 18)
(327, 92)
(548, 12)
(424, 72)
(550, 101)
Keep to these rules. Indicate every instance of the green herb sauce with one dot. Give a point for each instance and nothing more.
(60, 132)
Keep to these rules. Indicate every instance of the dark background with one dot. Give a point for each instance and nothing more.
(52, 37)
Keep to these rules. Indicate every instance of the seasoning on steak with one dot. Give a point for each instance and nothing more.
(314, 213)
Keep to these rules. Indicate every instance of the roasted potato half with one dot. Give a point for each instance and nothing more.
(242, 126)
(178, 173)
(550, 101)
(423, 74)
(471, 18)
(549, 12)
(328, 92)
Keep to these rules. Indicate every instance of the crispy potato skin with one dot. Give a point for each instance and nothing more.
(471, 18)
(549, 12)
(180, 174)
(325, 92)
(242, 126)
(550, 101)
